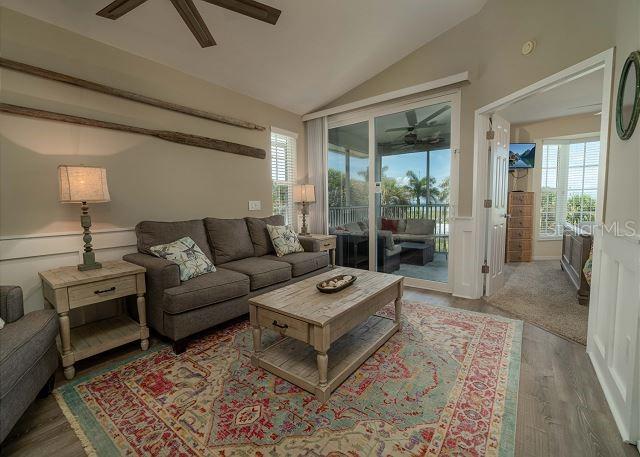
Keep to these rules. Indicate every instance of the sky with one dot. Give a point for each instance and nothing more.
(398, 165)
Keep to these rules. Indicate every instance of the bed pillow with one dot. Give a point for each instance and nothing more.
(187, 255)
(284, 239)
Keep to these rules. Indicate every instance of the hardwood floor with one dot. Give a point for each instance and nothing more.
(561, 408)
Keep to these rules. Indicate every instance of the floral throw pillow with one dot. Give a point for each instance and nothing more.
(189, 257)
(284, 239)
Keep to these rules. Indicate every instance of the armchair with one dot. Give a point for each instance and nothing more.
(28, 356)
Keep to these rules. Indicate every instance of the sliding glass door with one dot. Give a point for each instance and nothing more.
(413, 169)
(348, 193)
(397, 219)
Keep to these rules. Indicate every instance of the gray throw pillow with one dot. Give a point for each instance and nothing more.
(187, 255)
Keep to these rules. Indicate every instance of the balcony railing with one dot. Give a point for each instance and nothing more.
(439, 212)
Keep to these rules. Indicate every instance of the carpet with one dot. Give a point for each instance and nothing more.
(540, 293)
(445, 385)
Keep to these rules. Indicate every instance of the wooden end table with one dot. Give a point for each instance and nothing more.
(328, 336)
(321, 243)
(66, 288)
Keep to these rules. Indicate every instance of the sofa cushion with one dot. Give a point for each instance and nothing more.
(402, 237)
(205, 290)
(23, 343)
(303, 262)
(262, 272)
(420, 226)
(229, 239)
(151, 233)
(187, 255)
(402, 225)
(262, 244)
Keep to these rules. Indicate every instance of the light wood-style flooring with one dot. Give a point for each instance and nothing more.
(561, 408)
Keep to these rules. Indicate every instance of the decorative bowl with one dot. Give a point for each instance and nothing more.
(341, 282)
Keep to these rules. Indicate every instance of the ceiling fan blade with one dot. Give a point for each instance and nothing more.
(119, 8)
(437, 113)
(194, 21)
(412, 119)
(250, 8)
(398, 129)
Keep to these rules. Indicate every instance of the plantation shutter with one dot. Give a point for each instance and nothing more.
(283, 172)
(569, 186)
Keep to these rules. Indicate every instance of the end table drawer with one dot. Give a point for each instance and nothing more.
(285, 325)
(86, 294)
(327, 244)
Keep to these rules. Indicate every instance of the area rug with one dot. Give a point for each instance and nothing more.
(445, 385)
(540, 293)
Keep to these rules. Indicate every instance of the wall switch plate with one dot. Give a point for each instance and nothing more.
(255, 205)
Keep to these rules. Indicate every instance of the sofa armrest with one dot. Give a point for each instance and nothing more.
(11, 308)
(161, 273)
(307, 244)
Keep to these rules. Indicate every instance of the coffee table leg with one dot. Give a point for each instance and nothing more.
(257, 339)
(323, 362)
(398, 305)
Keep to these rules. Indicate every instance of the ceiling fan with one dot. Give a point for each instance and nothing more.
(191, 17)
(412, 120)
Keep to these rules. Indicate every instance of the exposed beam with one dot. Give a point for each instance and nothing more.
(61, 77)
(194, 21)
(167, 135)
(251, 8)
(119, 8)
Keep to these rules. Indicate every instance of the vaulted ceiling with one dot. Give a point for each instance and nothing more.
(318, 50)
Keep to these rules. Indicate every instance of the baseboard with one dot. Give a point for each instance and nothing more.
(617, 416)
(546, 257)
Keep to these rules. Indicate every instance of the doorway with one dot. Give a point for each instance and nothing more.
(397, 219)
(554, 135)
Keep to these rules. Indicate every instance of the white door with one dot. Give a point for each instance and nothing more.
(498, 192)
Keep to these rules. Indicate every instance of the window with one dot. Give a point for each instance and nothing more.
(283, 172)
(569, 186)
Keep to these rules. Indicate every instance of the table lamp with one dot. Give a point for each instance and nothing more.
(304, 194)
(80, 184)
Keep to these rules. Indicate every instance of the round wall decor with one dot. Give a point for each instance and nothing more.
(628, 100)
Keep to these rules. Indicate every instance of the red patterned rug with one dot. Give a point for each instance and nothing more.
(445, 385)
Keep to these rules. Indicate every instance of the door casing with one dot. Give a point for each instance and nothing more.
(368, 115)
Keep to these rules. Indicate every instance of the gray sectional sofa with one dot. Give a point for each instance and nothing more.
(246, 266)
(28, 356)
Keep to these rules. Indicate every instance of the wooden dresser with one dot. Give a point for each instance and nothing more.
(520, 227)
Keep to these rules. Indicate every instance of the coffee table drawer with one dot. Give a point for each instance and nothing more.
(284, 325)
(99, 291)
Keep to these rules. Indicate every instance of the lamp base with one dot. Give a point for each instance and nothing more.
(89, 262)
(83, 267)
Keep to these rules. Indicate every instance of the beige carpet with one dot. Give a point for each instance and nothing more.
(540, 293)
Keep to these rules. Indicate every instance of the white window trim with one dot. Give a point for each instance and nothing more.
(561, 181)
(291, 218)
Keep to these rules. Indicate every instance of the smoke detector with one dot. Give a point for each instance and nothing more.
(528, 47)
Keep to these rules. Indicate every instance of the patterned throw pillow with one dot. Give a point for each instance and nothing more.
(189, 257)
(284, 239)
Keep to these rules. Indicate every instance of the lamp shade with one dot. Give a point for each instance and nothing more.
(304, 193)
(83, 184)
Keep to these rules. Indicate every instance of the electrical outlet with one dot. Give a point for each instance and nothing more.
(255, 205)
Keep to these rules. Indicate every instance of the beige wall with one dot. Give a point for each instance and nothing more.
(488, 46)
(535, 133)
(148, 178)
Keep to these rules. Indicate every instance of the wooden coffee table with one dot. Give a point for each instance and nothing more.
(328, 336)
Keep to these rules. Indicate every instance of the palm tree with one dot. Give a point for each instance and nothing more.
(417, 186)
